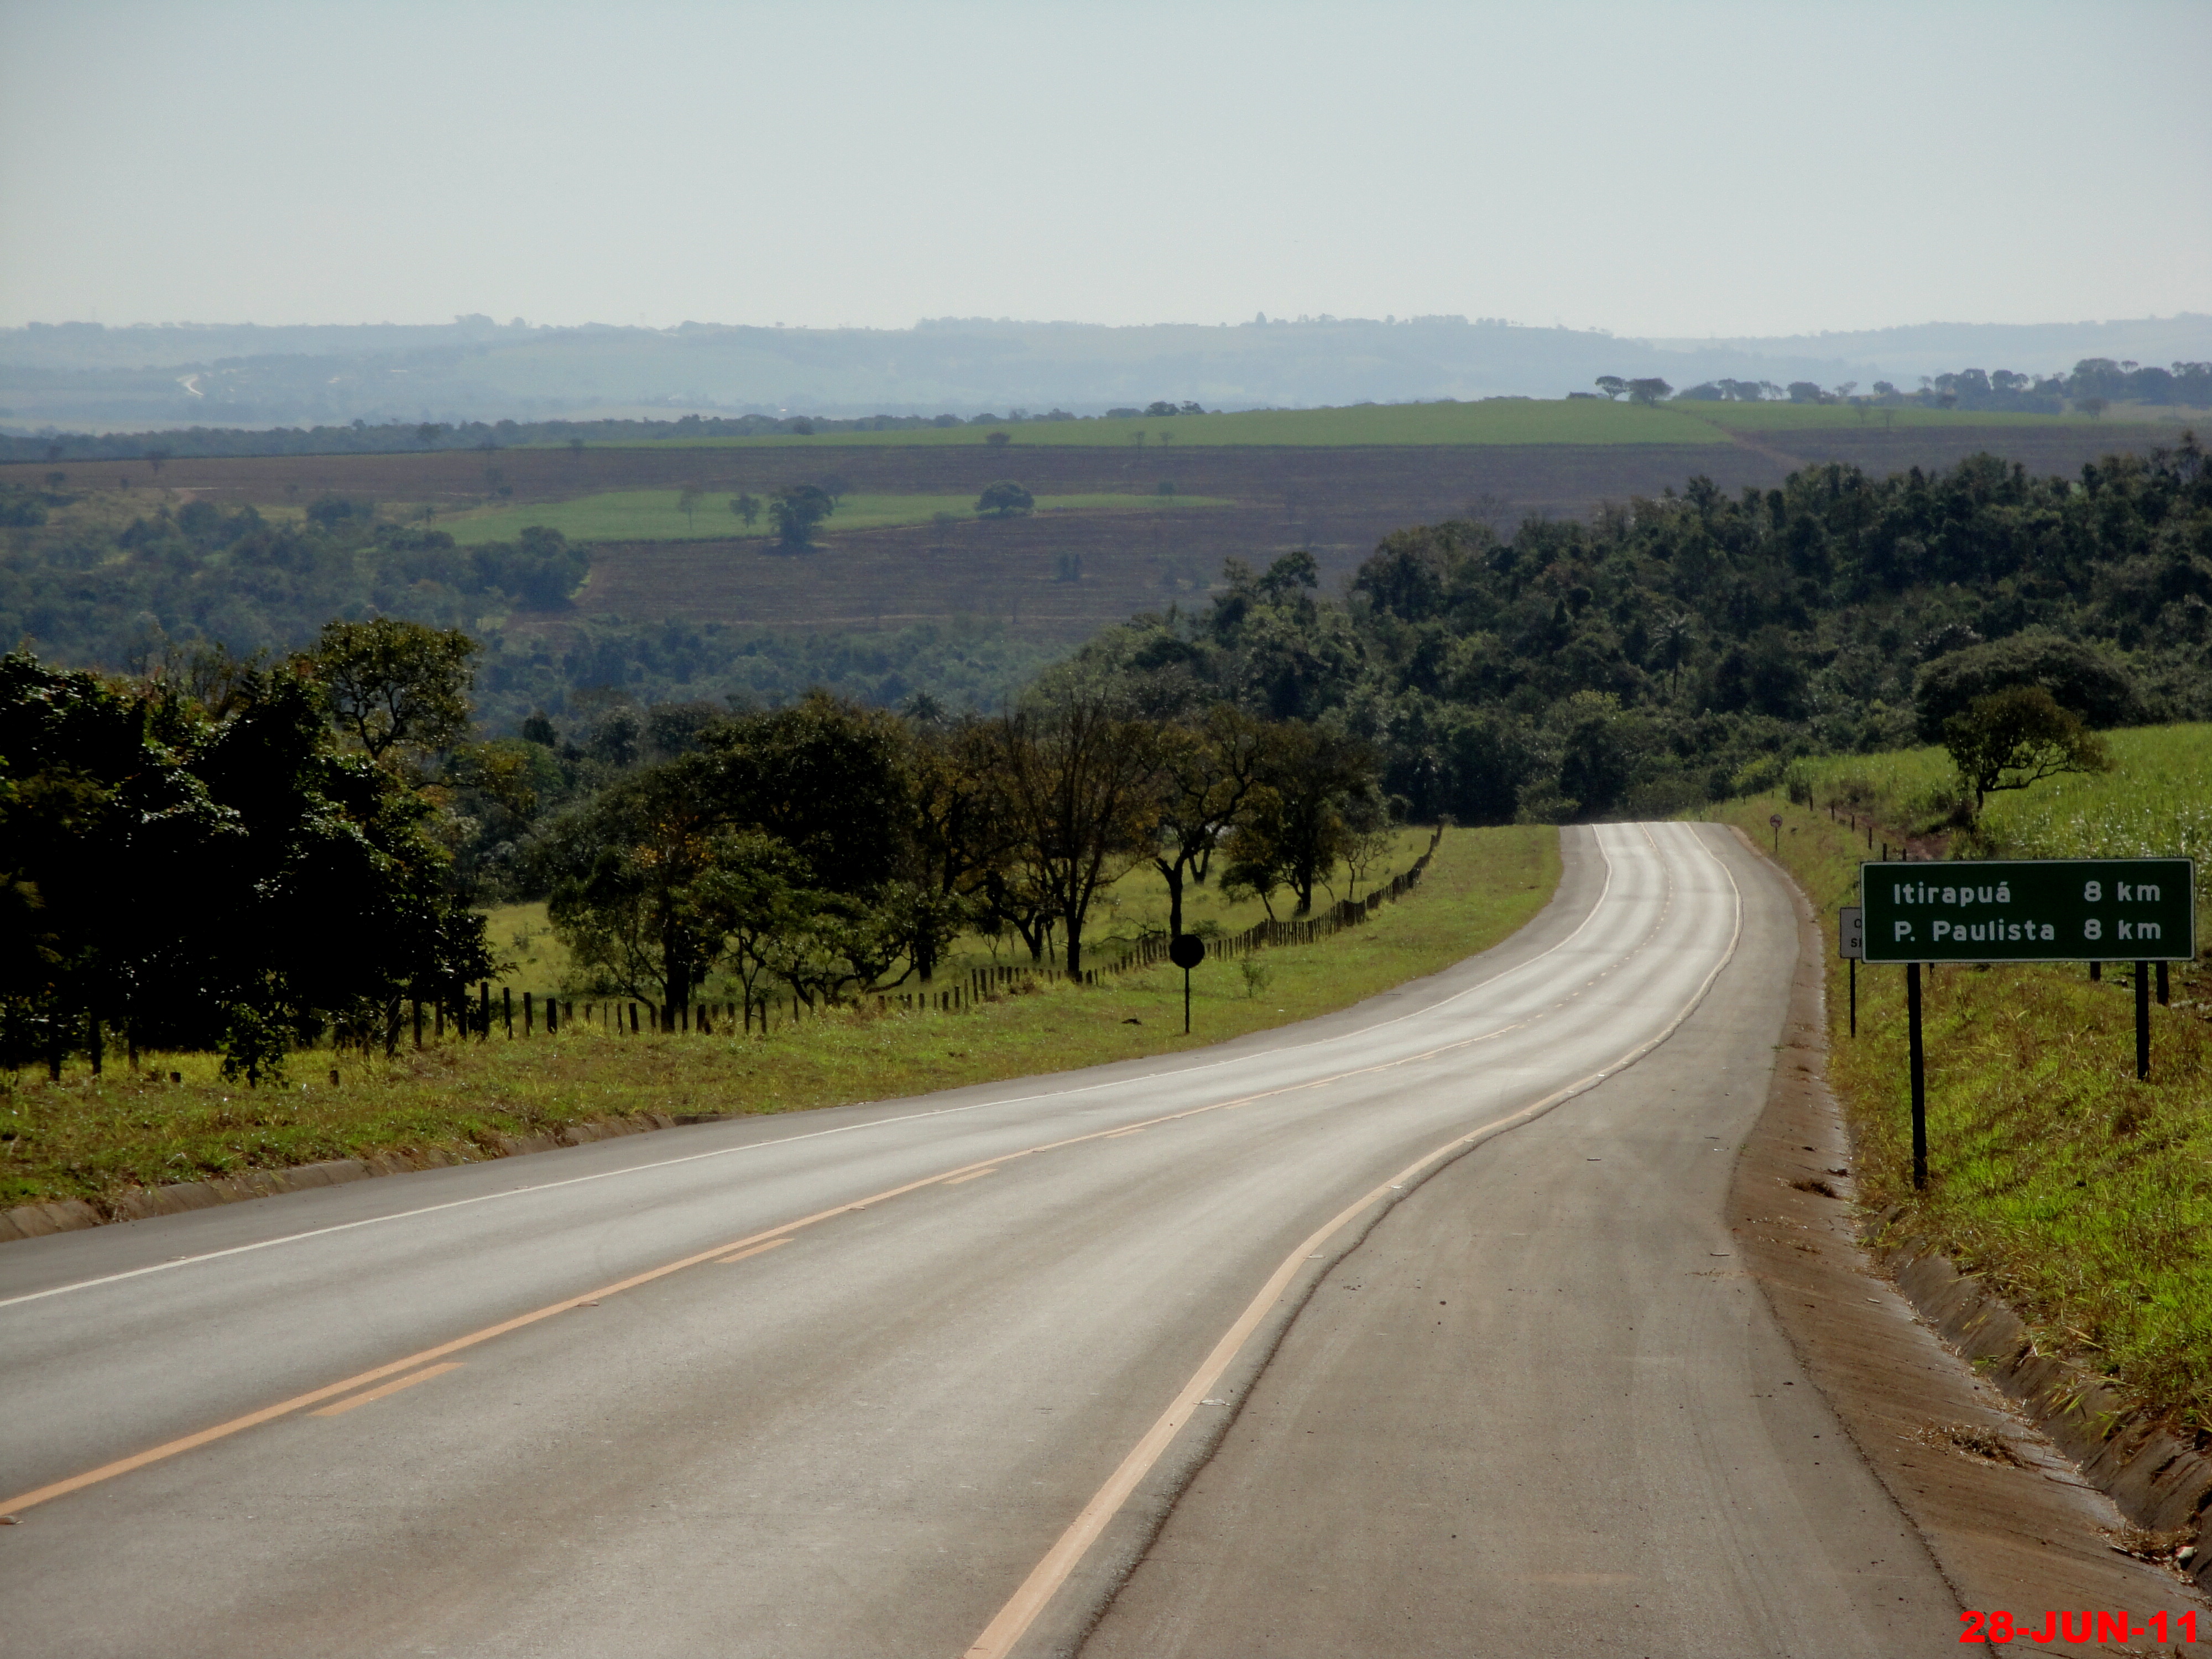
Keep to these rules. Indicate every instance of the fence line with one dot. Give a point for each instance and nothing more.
(635, 1016)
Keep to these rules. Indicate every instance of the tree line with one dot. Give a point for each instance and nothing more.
(250, 855)
(231, 854)
(1683, 648)
(826, 850)
(2093, 384)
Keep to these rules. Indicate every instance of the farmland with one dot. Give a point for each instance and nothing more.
(1333, 481)
(658, 515)
(1492, 421)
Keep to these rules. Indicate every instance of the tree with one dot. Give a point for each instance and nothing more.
(998, 439)
(958, 836)
(747, 506)
(1005, 500)
(629, 911)
(394, 684)
(2078, 676)
(1612, 384)
(1648, 390)
(1208, 773)
(2018, 736)
(1079, 773)
(1316, 791)
(795, 511)
(209, 869)
(430, 432)
(687, 503)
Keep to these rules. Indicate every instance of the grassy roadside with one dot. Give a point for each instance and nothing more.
(93, 1138)
(2083, 1196)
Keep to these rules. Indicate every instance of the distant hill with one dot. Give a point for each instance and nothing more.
(84, 377)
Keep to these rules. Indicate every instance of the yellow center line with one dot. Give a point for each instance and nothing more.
(972, 1175)
(757, 1249)
(345, 1406)
(169, 1448)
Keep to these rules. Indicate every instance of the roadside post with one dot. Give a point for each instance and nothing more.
(1186, 951)
(1993, 910)
(2142, 1021)
(1775, 818)
(1919, 1071)
(1851, 945)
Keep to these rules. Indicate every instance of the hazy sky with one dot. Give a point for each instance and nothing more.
(1653, 169)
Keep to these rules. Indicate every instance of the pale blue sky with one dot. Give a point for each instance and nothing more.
(1670, 169)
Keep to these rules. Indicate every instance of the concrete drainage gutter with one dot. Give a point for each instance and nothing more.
(66, 1215)
(2159, 1482)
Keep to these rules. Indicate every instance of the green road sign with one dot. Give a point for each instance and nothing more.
(2031, 910)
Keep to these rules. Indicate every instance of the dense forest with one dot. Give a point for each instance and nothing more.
(1675, 650)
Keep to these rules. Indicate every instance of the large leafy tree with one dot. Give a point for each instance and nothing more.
(2015, 738)
(395, 686)
(1315, 796)
(1208, 772)
(795, 511)
(1080, 770)
(203, 866)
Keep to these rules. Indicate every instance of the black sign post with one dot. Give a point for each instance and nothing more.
(1186, 951)
(1850, 944)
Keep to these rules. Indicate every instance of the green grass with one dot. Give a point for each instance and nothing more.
(88, 1139)
(653, 516)
(1489, 421)
(1493, 421)
(2156, 802)
(2083, 1196)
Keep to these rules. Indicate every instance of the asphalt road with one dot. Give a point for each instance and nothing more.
(925, 1377)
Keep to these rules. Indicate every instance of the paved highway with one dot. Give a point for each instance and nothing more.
(925, 1377)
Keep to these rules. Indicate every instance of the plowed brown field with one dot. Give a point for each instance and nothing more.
(1338, 502)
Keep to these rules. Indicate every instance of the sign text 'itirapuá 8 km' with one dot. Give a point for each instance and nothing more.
(2031, 910)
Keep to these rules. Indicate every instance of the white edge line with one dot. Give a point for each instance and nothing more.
(1036, 1592)
(816, 1134)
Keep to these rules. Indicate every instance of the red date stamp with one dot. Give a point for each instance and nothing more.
(2083, 1624)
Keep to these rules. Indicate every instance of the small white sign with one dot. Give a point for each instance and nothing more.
(1851, 932)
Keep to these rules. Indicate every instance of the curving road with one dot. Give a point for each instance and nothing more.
(927, 1377)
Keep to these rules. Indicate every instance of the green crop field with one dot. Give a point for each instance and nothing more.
(653, 515)
(2082, 1194)
(2156, 802)
(1488, 421)
(1492, 421)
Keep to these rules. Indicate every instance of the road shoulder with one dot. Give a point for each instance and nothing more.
(2025, 1535)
